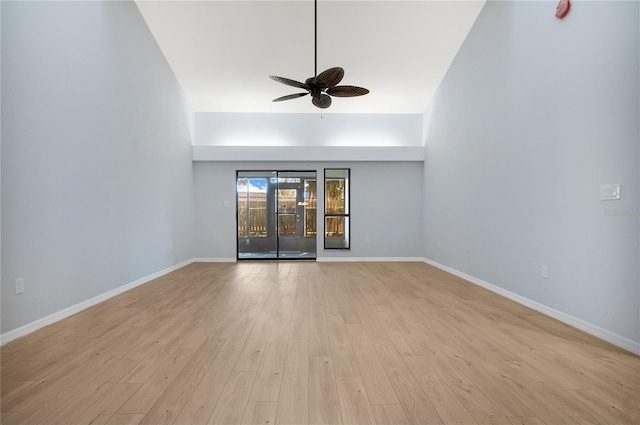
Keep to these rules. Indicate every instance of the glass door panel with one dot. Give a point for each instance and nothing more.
(257, 236)
(294, 197)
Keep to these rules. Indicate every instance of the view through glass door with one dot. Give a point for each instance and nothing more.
(276, 213)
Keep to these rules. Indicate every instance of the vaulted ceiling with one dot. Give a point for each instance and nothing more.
(222, 52)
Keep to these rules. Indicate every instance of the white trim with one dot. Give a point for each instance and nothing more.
(69, 311)
(613, 338)
(304, 153)
(213, 260)
(370, 259)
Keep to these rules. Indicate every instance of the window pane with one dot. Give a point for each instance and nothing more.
(257, 189)
(310, 206)
(243, 201)
(335, 196)
(310, 216)
(334, 227)
(336, 232)
(310, 193)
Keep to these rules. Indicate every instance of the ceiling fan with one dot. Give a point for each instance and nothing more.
(324, 85)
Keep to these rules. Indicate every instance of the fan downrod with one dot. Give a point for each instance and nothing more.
(321, 86)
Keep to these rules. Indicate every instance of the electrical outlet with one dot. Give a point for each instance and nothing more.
(438, 244)
(367, 240)
(19, 286)
(468, 253)
(544, 272)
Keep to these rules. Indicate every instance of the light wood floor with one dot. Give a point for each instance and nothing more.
(318, 343)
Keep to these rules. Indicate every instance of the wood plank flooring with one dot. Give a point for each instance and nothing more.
(315, 343)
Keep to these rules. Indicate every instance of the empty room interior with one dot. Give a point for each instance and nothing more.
(320, 212)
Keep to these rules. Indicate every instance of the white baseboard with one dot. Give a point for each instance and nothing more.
(370, 259)
(615, 339)
(69, 311)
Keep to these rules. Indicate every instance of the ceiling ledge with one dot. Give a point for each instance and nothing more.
(308, 153)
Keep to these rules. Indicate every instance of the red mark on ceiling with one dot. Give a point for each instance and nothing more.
(563, 8)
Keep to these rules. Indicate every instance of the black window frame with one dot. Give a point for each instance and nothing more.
(347, 215)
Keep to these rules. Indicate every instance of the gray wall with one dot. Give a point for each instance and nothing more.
(386, 207)
(532, 117)
(97, 178)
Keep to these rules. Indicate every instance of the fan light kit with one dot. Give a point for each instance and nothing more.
(324, 85)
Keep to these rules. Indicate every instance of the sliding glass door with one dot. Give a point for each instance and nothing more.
(276, 214)
(256, 221)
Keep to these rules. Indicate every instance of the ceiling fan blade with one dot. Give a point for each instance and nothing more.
(287, 81)
(289, 97)
(347, 91)
(322, 102)
(330, 78)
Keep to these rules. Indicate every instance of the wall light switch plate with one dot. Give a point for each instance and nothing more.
(609, 192)
(227, 204)
(19, 286)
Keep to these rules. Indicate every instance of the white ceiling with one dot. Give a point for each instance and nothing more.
(222, 52)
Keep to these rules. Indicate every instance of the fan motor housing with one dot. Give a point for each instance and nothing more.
(314, 88)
